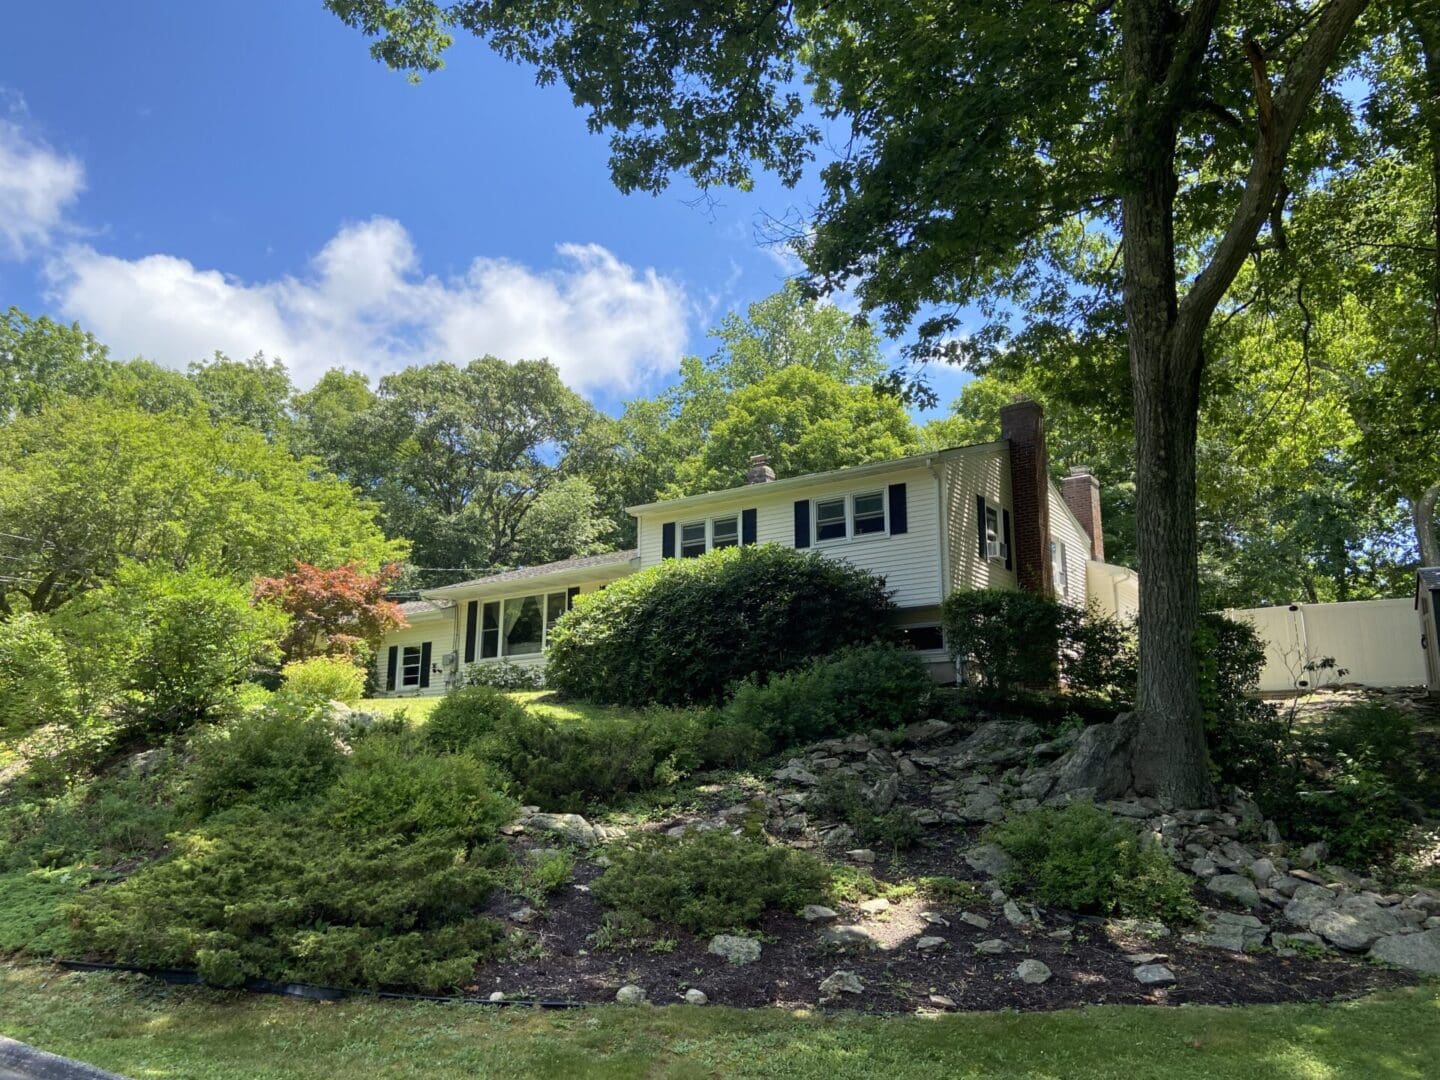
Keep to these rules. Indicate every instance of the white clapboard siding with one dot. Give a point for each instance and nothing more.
(1064, 528)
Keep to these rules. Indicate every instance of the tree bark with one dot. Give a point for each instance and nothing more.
(1422, 513)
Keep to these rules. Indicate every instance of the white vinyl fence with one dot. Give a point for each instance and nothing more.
(1377, 641)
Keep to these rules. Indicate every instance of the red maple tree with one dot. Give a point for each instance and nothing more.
(338, 612)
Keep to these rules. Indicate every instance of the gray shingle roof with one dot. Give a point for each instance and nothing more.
(524, 573)
(421, 607)
(1430, 577)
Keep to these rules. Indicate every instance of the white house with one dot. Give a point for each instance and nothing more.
(972, 517)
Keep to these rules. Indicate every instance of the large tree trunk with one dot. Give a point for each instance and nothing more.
(1422, 513)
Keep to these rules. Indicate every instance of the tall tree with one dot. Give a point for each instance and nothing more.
(254, 393)
(978, 133)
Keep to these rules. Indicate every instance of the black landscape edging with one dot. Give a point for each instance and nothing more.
(185, 977)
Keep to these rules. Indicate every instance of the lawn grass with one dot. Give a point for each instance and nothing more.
(145, 1030)
(418, 709)
(542, 702)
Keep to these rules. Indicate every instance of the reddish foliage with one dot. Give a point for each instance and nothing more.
(339, 612)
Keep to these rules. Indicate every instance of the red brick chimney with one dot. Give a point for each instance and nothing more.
(1022, 425)
(1082, 496)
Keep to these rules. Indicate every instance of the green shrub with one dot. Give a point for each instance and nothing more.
(1006, 639)
(505, 676)
(469, 714)
(35, 679)
(302, 902)
(392, 787)
(329, 678)
(685, 631)
(706, 882)
(1082, 859)
(843, 797)
(284, 753)
(869, 686)
(566, 764)
(105, 822)
(32, 911)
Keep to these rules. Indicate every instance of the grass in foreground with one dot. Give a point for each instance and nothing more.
(145, 1031)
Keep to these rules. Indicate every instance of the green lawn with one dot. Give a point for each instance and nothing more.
(144, 1030)
(418, 709)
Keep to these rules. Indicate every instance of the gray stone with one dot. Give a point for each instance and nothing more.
(860, 855)
(1032, 972)
(847, 936)
(497, 995)
(1234, 933)
(1204, 868)
(1311, 855)
(1415, 952)
(977, 921)
(1262, 870)
(1286, 885)
(1154, 974)
(1013, 915)
(942, 1001)
(841, 982)
(696, 997)
(878, 906)
(883, 794)
(998, 742)
(927, 731)
(934, 918)
(630, 994)
(930, 942)
(524, 915)
(1355, 923)
(992, 946)
(796, 773)
(1293, 941)
(1235, 887)
(1344, 877)
(990, 860)
(739, 951)
(1099, 761)
(1145, 957)
(571, 827)
(818, 913)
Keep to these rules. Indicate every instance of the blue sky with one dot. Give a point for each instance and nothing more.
(182, 177)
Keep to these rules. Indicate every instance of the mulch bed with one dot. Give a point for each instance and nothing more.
(1089, 969)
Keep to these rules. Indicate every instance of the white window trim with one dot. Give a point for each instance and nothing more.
(851, 536)
(995, 549)
(419, 651)
(709, 524)
(545, 627)
(1060, 568)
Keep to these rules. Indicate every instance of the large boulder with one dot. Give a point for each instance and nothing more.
(998, 742)
(570, 827)
(739, 951)
(1417, 952)
(1236, 887)
(1099, 761)
(990, 860)
(1355, 924)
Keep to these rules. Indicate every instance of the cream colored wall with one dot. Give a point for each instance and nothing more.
(1377, 641)
(436, 628)
(1115, 590)
(977, 470)
(909, 563)
(1064, 528)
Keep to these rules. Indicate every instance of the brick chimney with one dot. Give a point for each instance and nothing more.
(1022, 425)
(760, 470)
(1082, 496)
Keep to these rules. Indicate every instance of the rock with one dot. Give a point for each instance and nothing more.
(934, 918)
(524, 915)
(841, 982)
(993, 946)
(1032, 972)
(998, 742)
(930, 942)
(1013, 915)
(942, 1001)
(818, 913)
(1234, 933)
(1154, 975)
(926, 731)
(925, 816)
(1262, 870)
(1344, 877)
(1204, 868)
(861, 855)
(1145, 957)
(630, 994)
(570, 827)
(877, 906)
(696, 997)
(969, 918)
(1063, 934)
(1292, 941)
(990, 860)
(884, 793)
(739, 951)
(1415, 952)
(1355, 923)
(498, 995)
(796, 773)
(1311, 855)
(1286, 885)
(147, 762)
(846, 937)
(1099, 761)
(1237, 888)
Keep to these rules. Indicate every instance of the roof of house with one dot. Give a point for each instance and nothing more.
(544, 570)
(1430, 576)
(789, 483)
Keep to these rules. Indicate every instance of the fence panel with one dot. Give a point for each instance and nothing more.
(1376, 641)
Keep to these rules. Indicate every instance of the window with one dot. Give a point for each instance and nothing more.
(410, 666)
(725, 532)
(1059, 569)
(870, 513)
(520, 625)
(524, 626)
(923, 638)
(490, 631)
(830, 519)
(555, 606)
(692, 539)
(994, 547)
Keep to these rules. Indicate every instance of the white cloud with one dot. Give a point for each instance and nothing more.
(366, 303)
(37, 186)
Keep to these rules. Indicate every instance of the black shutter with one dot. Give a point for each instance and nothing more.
(570, 595)
(747, 526)
(802, 523)
(667, 540)
(1005, 535)
(424, 665)
(472, 612)
(899, 519)
(980, 524)
(391, 666)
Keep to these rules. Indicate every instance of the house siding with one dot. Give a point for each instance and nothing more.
(1065, 528)
(438, 630)
(909, 562)
(981, 470)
